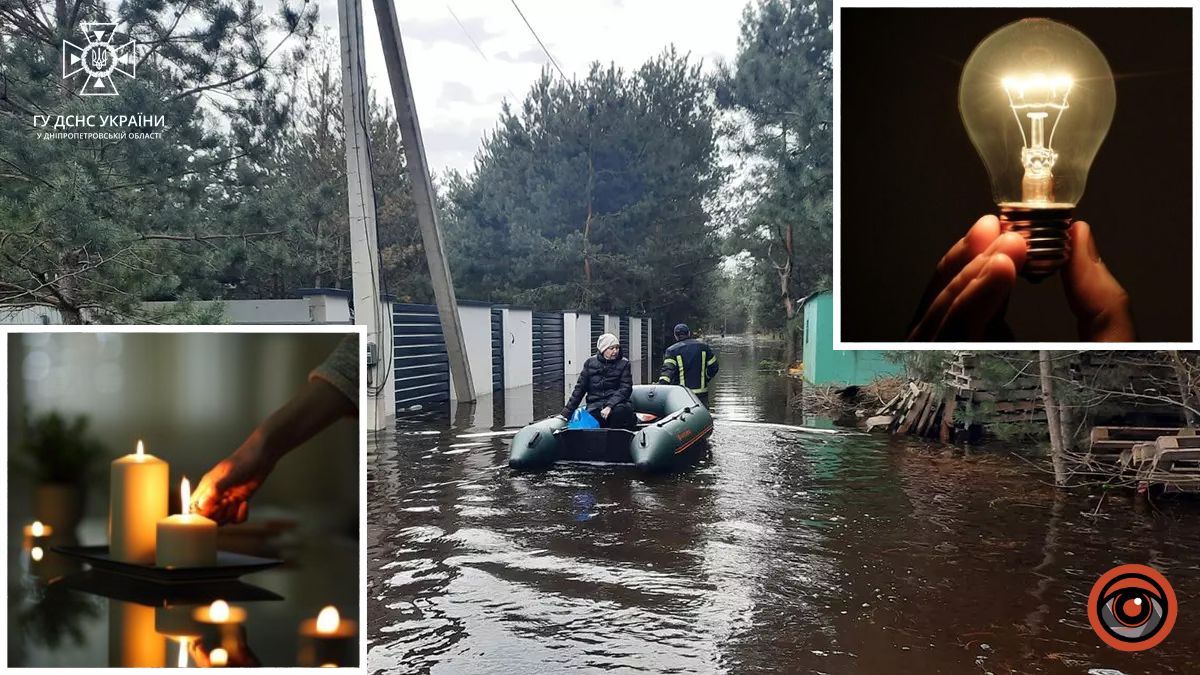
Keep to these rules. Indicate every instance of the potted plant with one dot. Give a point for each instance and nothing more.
(60, 456)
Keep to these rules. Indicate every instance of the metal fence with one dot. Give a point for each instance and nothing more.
(548, 359)
(422, 369)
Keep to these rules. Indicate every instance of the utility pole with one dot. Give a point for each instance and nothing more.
(418, 173)
(364, 249)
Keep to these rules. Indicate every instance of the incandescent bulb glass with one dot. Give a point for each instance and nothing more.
(1037, 97)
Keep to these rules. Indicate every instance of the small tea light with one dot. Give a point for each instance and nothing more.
(37, 530)
(218, 658)
(220, 613)
(328, 640)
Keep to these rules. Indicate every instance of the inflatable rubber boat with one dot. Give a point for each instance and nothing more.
(672, 428)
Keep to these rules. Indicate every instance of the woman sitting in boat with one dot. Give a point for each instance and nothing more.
(607, 381)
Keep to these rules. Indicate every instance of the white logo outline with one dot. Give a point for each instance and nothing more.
(99, 59)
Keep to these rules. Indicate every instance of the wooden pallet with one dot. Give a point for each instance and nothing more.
(1114, 441)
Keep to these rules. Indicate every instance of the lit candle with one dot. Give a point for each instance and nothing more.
(36, 554)
(220, 613)
(218, 658)
(328, 639)
(137, 501)
(186, 539)
(37, 530)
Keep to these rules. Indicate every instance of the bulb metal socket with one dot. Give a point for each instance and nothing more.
(1045, 232)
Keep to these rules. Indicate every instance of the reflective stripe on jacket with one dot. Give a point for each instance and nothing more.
(695, 359)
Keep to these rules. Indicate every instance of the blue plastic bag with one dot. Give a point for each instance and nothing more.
(582, 419)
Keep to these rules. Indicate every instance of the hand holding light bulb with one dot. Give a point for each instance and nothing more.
(968, 294)
(1037, 98)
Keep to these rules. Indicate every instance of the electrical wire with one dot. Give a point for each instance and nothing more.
(476, 45)
(539, 40)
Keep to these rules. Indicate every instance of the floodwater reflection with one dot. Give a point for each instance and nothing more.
(782, 551)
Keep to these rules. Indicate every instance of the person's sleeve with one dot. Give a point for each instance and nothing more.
(340, 368)
(712, 366)
(625, 390)
(576, 396)
(668, 370)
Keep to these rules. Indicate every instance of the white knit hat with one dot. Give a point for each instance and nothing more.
(605, 341)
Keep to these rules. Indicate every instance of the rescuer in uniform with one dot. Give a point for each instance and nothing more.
(689, 362)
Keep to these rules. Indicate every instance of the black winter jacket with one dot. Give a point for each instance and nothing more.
(606, 383)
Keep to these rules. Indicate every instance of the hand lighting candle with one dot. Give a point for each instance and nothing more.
(187, 539)
(137, 500)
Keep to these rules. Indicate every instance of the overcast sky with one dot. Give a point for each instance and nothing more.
(459, 91)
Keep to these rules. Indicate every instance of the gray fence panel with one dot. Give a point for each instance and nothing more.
(548, 362)
(421, 367)
(497, 349)
(648, 352)
(597, 329)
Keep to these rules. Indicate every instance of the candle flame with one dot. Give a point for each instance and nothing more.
(218, 657)
(328, 620)
(218, 612)
(183, 652)
(141, 450)
(36, 553)
(37, 529)
(185, 497)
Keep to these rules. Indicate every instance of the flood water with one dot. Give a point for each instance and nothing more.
(784, 551)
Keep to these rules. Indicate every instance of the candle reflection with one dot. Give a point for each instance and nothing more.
(132, 640)
(328, 620)
(328, 640)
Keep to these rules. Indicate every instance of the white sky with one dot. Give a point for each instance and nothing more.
(458, 92)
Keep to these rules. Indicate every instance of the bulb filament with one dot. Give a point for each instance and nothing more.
(1036, 96)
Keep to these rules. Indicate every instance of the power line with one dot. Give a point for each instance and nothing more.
(464, 30)
(476, 45)
(539, 40)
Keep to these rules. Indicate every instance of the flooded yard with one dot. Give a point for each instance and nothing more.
(783, 551)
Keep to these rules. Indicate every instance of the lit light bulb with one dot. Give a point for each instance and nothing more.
(1037, 97)
(37, 529)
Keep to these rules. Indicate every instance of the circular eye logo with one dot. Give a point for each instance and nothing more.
(1132, 607)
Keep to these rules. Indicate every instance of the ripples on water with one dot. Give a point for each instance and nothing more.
(782, 551)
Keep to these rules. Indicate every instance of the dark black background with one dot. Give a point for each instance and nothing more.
(912, 183)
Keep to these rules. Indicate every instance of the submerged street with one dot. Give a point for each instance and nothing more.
(784, 551)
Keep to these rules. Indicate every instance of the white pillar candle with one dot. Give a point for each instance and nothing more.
(186, 539)
(137, 501)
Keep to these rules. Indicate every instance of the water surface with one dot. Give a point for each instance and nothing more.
(783, 551)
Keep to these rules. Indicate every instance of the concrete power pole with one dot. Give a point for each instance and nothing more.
(364, 249)
(418, 172)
